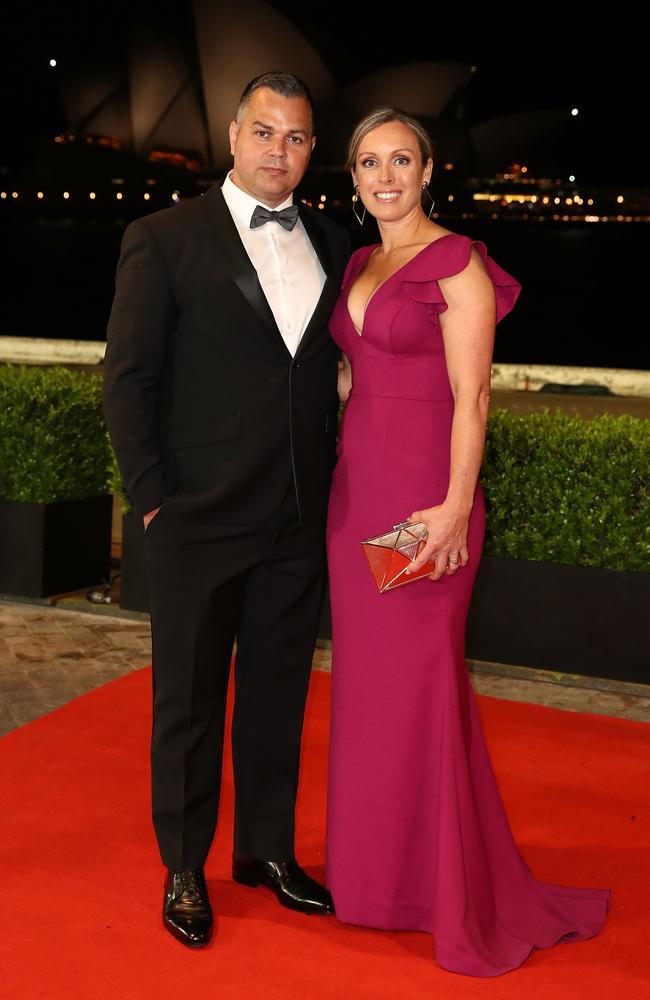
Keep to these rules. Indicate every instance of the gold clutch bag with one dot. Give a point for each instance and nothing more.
(390, 555)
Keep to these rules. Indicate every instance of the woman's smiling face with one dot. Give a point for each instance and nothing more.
(389, 171)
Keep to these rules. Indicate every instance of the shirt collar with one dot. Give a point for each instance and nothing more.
(241, 204)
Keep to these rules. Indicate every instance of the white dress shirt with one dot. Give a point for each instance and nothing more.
(287, 265)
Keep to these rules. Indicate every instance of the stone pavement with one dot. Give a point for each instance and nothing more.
(49, 655)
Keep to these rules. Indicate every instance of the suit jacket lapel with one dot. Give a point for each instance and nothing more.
(232, 250)
(317, 238)
(321, 314)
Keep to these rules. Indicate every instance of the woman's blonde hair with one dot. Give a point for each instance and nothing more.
(382, 116)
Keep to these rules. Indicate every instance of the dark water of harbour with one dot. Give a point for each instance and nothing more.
(584, 299)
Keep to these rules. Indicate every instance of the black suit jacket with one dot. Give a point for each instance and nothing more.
(208, 412)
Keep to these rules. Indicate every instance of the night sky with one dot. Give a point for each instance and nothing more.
(559, 56)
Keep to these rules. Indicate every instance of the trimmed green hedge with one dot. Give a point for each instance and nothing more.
(562, 489)
(558, 488)
(53, 439)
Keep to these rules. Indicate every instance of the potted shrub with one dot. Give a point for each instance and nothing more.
(55, 509)
(564, 583)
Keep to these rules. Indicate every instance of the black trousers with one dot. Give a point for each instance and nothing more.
(210, 584)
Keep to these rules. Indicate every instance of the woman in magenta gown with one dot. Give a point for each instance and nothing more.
(417, 835)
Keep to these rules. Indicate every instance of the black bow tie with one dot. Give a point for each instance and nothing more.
(286, 217)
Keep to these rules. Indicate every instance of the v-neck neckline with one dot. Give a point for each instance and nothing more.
(359, 333)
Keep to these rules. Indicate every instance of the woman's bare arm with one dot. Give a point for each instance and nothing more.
(468, 327)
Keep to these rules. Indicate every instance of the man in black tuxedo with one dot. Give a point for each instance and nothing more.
(221, 401)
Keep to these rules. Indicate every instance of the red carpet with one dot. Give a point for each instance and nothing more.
(82, 883)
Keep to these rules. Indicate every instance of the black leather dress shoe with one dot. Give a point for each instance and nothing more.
(187, 913)
(293, 888)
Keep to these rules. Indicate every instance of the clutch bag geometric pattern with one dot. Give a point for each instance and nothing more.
(389, 555)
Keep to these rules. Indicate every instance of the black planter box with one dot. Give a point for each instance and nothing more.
(54, 548)
(566, 619)
(134, 590)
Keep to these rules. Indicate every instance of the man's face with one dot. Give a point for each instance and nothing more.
(271, 146)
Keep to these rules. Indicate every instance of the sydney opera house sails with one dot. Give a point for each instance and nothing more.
(177, 98)
(427, 89)
(166, 99)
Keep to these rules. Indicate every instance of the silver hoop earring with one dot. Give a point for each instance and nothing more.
(355, 199)
(425, 190)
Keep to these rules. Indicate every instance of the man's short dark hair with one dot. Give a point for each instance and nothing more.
(284, 84)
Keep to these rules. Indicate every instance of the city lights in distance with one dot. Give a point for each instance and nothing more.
(510, 194)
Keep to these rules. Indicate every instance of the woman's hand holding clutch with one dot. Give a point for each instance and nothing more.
(446, 546)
